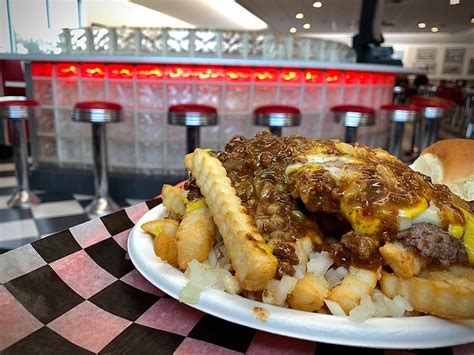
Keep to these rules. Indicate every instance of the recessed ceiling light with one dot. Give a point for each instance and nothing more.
(454, 2)
(421, 25)
(299, 15)
(318, 4)
(434, 29)
(293, 30)
(306, 26)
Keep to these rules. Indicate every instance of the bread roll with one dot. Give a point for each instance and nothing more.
(450, 162)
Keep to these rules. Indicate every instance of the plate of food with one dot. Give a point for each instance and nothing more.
(317, 240)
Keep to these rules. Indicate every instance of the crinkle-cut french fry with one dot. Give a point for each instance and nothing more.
(166, 226)
(309, 293)
(455, 270)
(403, 261)
(165, 248)
(450, 300)
(358, 282)
(174, 200)
(195, 235)
(251, 258)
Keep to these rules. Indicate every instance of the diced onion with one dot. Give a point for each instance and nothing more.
(190, 293)
(299, 271)
(404, 223)
(320, 263)
(231, 285)
(364, 311)
(335, 308)
(335, 276)
(212, 258)
(286, 285)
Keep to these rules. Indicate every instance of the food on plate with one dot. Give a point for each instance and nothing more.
(450, 297)
(166, 226)
(174, 200)
(196, 233)
(329, 227)
(450, 162)
(163, 232)
(251, 258)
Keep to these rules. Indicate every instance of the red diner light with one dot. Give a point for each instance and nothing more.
(120, 71)
(314, 76)
(366, 78)
(67, 70)
(179, 72)
(89, 70)
(238, 74)
(390, 79)
(379, 78)
(352, 77)
(291, 75)
(334, 77)
(265, 75)
(41, 69)
(151, 72)
(213, 73)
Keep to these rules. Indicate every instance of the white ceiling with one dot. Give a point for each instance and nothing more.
(337, 16)
(215, 14)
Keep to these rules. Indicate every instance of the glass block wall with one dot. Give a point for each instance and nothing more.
(176, 42)
(144, 142)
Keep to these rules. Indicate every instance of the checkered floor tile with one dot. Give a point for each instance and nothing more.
(56, 212)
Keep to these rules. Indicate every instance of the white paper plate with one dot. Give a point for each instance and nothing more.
(399, 333)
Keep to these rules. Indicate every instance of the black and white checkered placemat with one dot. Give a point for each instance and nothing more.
(77, 292)
(55, 213)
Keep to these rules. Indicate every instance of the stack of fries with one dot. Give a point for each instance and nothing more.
(193, 228)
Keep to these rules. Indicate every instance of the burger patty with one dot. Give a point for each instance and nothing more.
(433, 242)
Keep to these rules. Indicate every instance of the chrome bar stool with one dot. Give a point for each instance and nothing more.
(275, 117)
(18, 110)
(99, 114)
(433, 110)
(399, 115)
(192, 116)
(353, 117)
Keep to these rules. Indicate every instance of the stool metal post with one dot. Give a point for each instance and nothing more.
(18, 112)
(396, 138)
(277, 131)
(99, 150)
(399, 115)
(350, 135)
(99, 114)
(193, 139)
(353, 117)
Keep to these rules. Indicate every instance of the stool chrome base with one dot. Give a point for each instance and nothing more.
(101, 206)
(23, 199)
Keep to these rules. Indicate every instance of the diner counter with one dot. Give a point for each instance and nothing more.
(376, 68)
(78, 292)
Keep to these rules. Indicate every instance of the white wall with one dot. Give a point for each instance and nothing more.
(406, 44)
